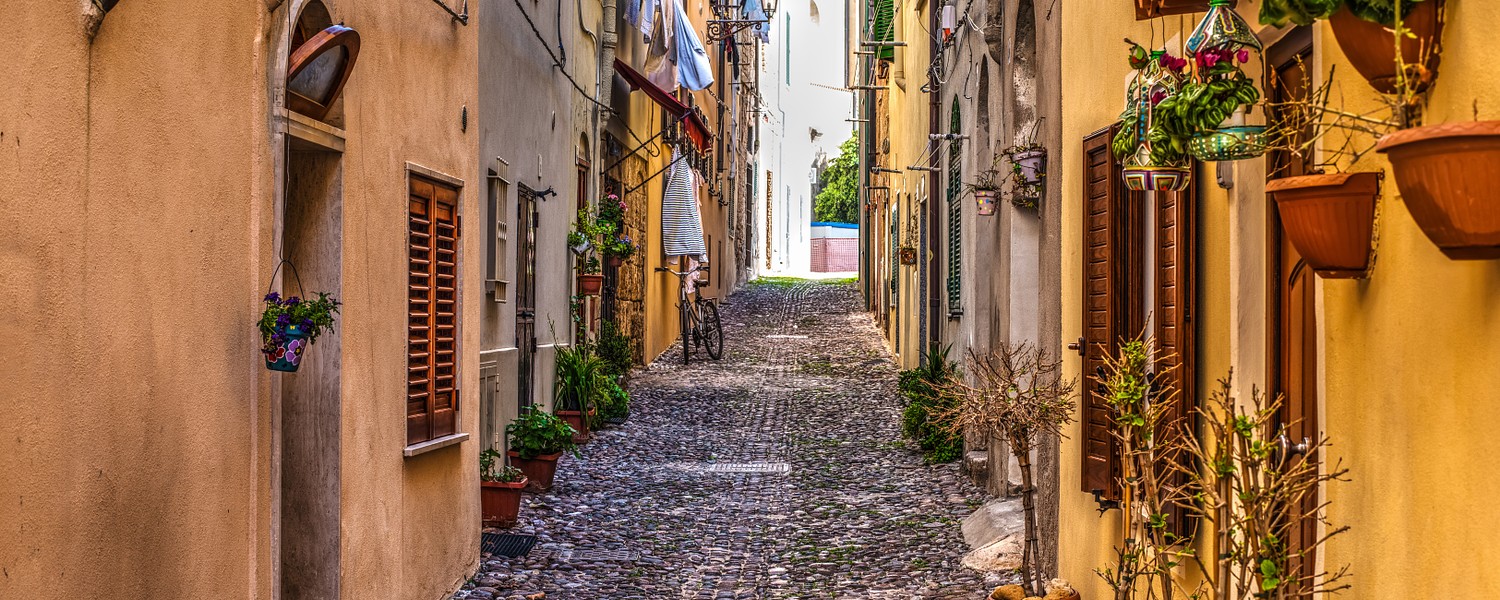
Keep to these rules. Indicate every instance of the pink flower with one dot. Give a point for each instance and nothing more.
(1157, 96)
(1243, 55)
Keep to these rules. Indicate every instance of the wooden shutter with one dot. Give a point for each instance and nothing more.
(883, 28)
(1151, 9)
(432, 312)
(1111, 310)
(1175, 309)
(955, 216)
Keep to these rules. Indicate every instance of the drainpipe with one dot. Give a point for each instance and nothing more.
(934, 319)
(605, 88)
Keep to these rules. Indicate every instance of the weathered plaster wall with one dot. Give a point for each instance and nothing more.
(134, 441)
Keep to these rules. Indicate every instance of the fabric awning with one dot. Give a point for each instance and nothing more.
(696, 128)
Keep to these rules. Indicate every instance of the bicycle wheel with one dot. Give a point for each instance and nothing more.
(713, 332)
(687, 330)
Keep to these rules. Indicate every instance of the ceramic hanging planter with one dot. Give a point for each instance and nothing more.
(289, 325)
(1371, 47)
(1449, 177)
(1031, 165)
(1229, 143)
(1157, 179)
(1330, 219)
(986, 201)
(1150, 165)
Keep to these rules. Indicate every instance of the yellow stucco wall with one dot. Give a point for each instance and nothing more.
(138, 182)
(1407, 357)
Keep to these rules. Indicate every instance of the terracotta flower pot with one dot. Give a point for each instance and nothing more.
(580, 426)
(986, 200)
(590, 284)
(614, 261)
(539, 470)
(1449, 177)
(1371, 47)
(500, 502)
(1330, 219)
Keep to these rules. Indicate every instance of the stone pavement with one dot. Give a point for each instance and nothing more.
(778, 472)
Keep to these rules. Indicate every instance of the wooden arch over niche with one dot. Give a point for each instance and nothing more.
(322, 57)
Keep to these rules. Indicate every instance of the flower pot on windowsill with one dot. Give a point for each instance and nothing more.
(1371, 47)
(500, 501)
(1449, 177)
(589, 284)
(1032, 164)
(986, 201)
(540, 470)
(287, 356)
(1157, 179)
(1330, 219)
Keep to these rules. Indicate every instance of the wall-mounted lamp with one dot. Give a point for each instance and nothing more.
(544, 193)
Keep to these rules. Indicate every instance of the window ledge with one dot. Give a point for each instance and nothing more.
(437, 444)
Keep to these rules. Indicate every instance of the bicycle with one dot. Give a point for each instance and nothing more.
(699, 318)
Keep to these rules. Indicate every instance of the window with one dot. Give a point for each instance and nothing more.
(495, 244)
(432, 311)
(955, 217)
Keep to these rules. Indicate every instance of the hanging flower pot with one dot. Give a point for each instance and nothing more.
(289, 325)
(1229, 143)
(1449, 177)
(908, 255)
(986, 200)
(589, 284)
(1031, 165)
(1158, 179)
(614, 261)
(1371, 46)
(1330, 219)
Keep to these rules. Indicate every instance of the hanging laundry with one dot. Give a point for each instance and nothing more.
(755, 12)
(694, 68)
(661, 54)
(681, 223)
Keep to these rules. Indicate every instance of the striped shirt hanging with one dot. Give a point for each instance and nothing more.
(681, 224)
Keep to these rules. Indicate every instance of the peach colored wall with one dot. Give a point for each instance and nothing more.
(137, 193)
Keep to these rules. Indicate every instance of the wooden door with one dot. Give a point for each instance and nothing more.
(526, 221)
(1292, 324)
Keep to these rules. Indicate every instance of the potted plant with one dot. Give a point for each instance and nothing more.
(1017, 392)
(1449, 177)
(1212, 108)
(579, 387)
(1246, 474)
(288, 325)
(584, 240)
(1155, 159)
(908, 255)
(985, 187)
(500, 488)
(537, 439)
(1028, 169)
(618, 249)
(1366, 31)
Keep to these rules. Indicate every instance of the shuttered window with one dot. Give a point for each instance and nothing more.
(883, 27)
(955, 216)
(1114, 305)
(1110, 229)
(432, 311)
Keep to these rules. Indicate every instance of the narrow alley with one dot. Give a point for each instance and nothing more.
(777, 472)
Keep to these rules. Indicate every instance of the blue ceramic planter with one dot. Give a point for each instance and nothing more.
(287, 355)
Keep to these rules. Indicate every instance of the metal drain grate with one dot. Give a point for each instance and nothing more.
(505, 544)
(750, 467)
(786, 337)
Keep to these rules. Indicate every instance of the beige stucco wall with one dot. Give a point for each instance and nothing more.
(1405, 362)
(139, 185)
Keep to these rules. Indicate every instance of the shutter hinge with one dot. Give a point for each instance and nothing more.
(458, 226)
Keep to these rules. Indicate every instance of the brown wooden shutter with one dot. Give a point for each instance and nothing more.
(1176, 310)
(432, 312)
(1151, 9)
(1111, 311)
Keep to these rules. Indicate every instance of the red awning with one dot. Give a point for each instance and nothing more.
(696, 129)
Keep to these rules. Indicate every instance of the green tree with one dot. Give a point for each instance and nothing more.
(839, 200)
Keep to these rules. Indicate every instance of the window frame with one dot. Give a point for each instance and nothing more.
(443, 430)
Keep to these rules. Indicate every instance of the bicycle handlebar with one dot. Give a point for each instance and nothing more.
(680, 273)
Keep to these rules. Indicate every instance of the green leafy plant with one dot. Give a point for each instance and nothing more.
(923, 420)
(1157, 76)
(580, 378)
(492, 467)
(616, 349)
(312, 316)
(537, 432)
(1220, 88)
(612, 212)
(591, 265)
(838, 201)
(616, 401)
(1304, 12)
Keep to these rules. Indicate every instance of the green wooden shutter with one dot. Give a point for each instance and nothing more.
(884, 28)
(955, 217)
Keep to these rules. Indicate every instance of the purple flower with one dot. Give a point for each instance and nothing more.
(283, 320)
(273, 297)
(1157, 96)
(307, 323)
(292, 301)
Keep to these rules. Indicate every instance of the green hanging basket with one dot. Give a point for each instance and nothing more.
(1229, 143)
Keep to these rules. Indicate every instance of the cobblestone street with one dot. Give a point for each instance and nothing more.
(670, 505)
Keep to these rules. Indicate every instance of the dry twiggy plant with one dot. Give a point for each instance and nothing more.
(1017, 391)
(1259, 490)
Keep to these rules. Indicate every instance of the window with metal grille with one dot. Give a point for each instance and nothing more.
(432, 311)
(955, 216)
